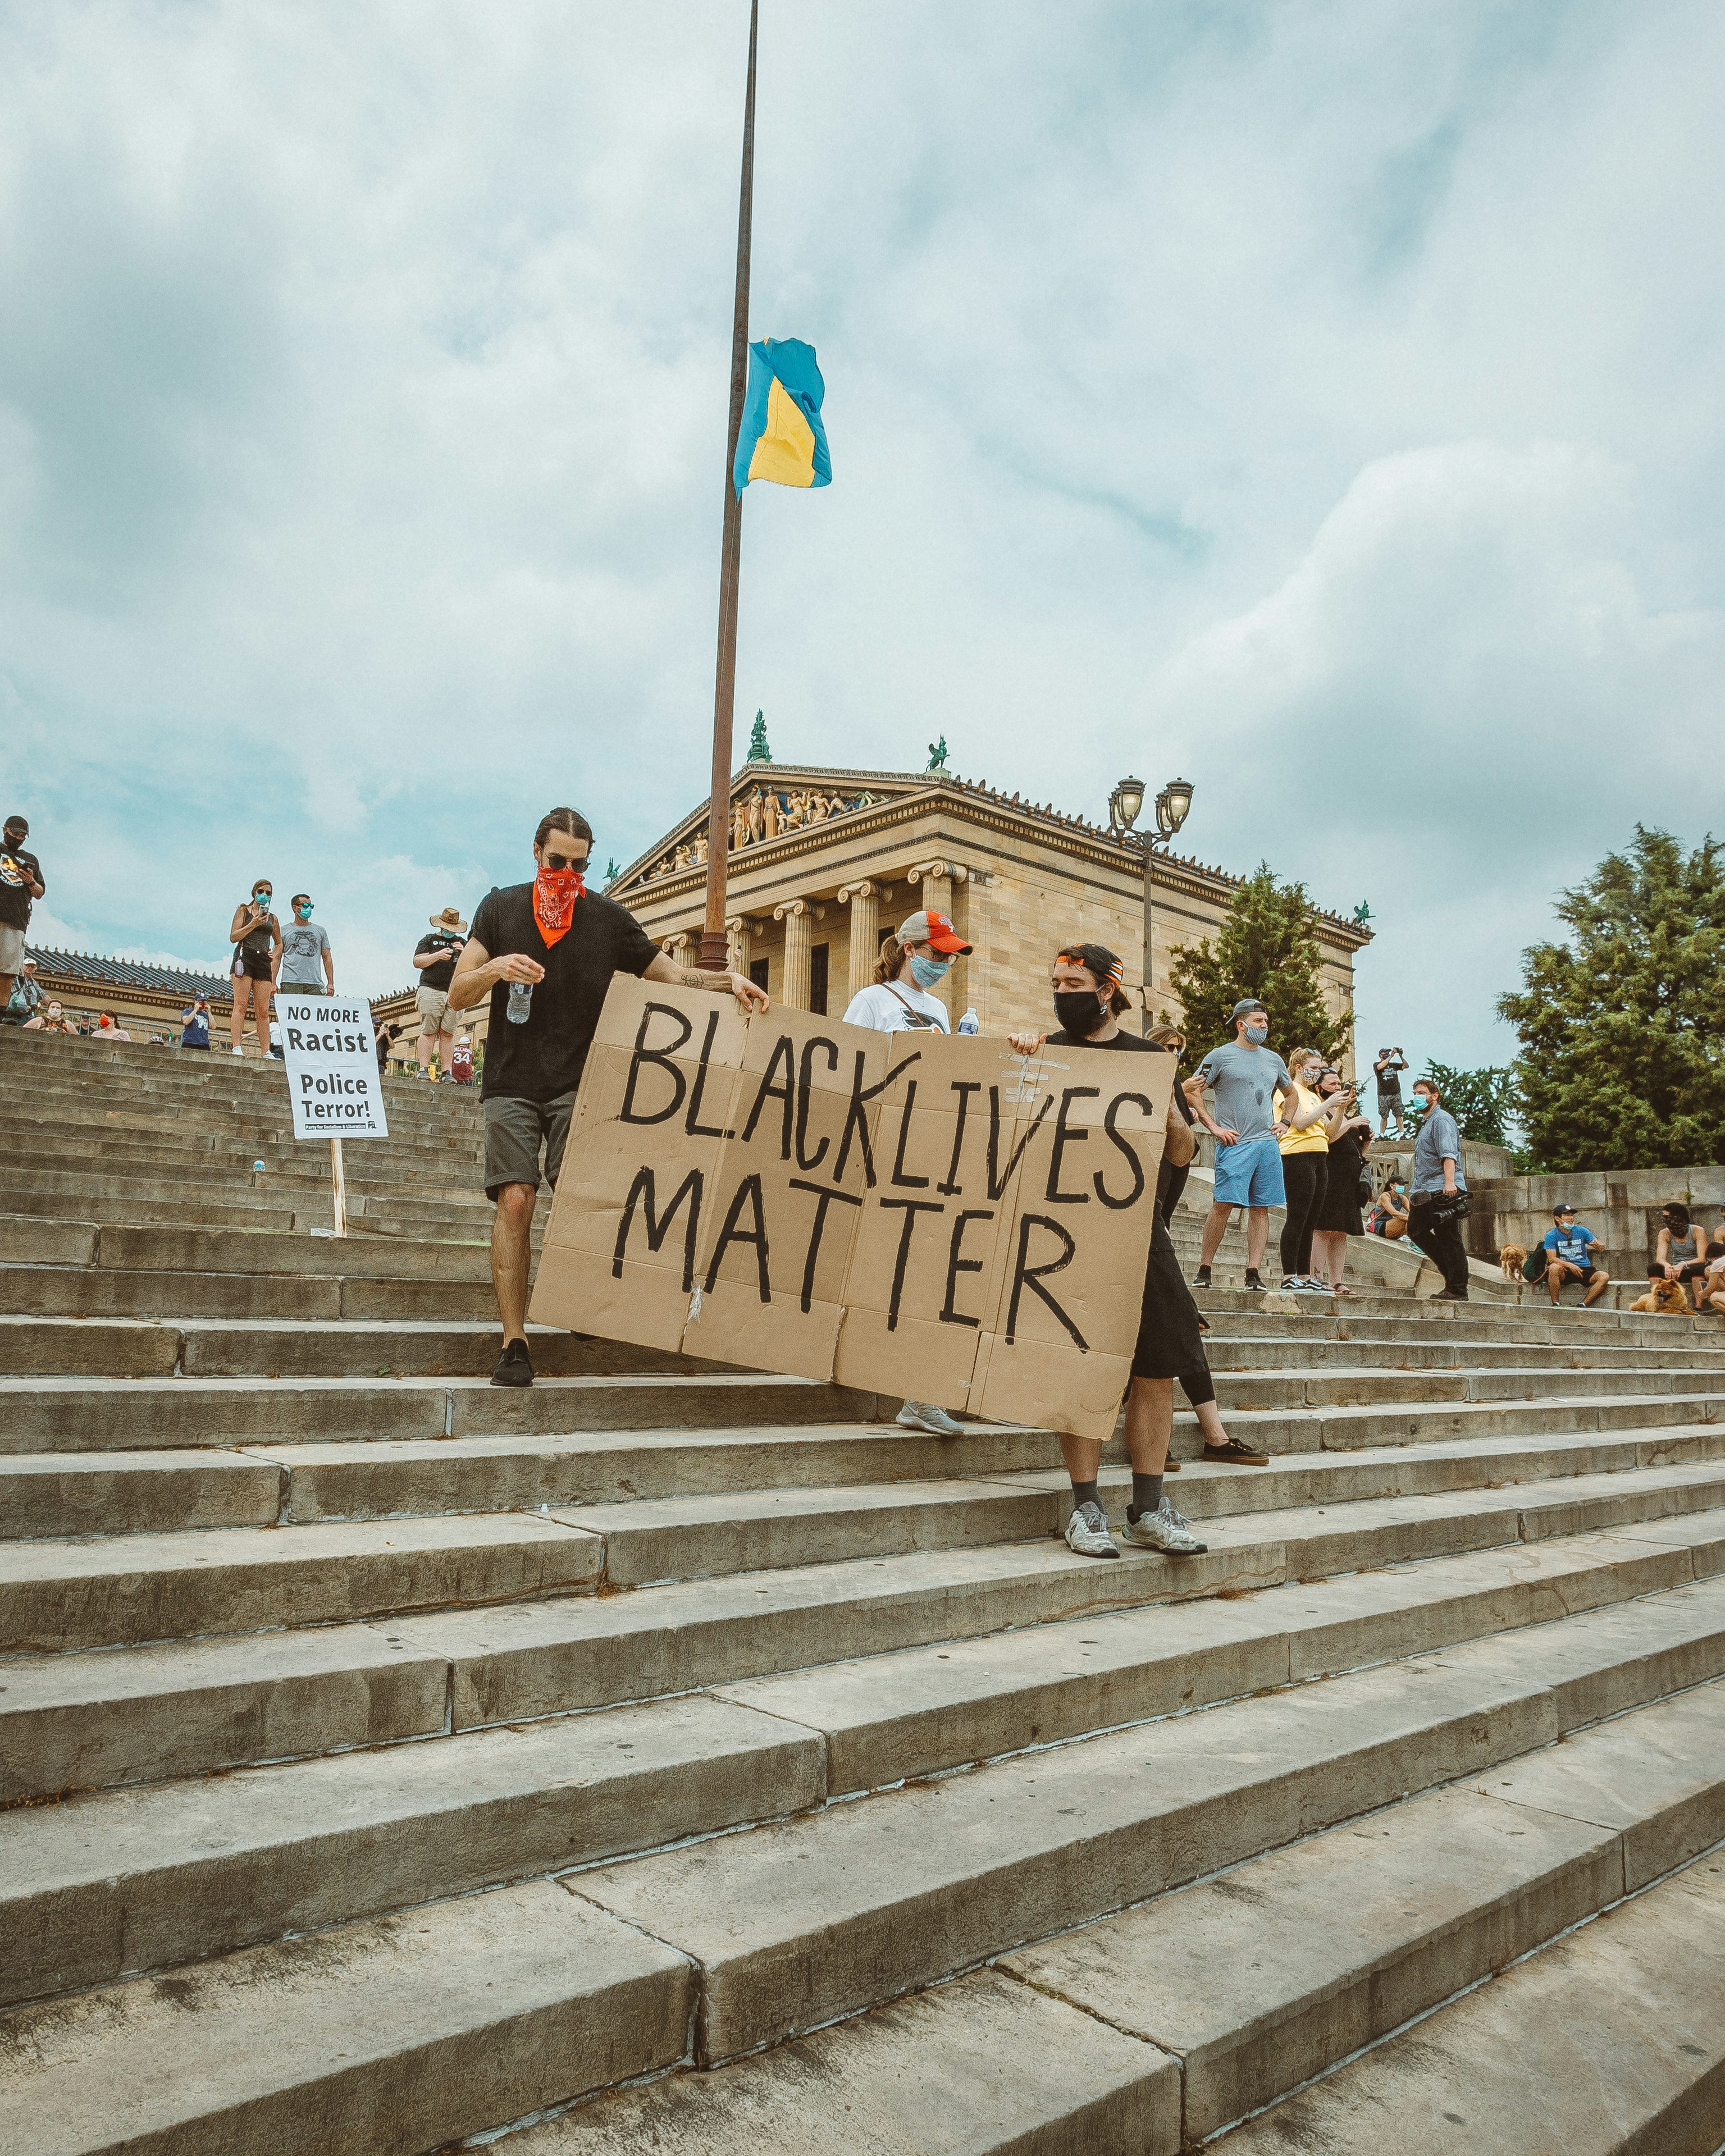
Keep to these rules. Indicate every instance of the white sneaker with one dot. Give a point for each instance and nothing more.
(922, 1414)
(1087, 1531)
(1165, 1530)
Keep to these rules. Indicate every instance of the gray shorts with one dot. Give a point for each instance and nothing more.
(12, 948)
(515, 1131)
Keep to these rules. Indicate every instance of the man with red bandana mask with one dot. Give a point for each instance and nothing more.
(561, 943)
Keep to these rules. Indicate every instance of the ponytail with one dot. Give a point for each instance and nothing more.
(891, 958)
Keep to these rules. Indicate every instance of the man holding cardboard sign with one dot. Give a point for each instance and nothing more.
(560, 945)
(925, 1216)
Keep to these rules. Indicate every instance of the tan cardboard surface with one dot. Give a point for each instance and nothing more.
(910, 1214)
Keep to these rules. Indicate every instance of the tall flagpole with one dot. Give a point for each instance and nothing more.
(713, 943)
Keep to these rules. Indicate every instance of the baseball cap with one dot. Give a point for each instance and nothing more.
(1558, 1211)
(933, 928)
(1247, 1003)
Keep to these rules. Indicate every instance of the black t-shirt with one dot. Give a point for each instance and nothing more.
(19, 871)
(440, 975)
(1132, 1042)
(543, 1058)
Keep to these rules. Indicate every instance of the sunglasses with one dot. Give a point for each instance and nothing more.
(555, 861)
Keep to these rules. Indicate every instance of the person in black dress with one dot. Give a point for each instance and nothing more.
(1338, 1215)
(1088, 1000)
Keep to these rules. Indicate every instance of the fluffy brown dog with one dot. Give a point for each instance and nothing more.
(1512, 1257)
(1664, 1296)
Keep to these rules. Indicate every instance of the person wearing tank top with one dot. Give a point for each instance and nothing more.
(1681, 1253)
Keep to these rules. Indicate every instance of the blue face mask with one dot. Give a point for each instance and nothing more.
(1257, 1034)
(303, 912)
(928, 973)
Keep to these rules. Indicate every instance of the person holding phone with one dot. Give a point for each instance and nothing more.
(255, 934)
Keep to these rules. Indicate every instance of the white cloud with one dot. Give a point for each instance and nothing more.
(1322, 398)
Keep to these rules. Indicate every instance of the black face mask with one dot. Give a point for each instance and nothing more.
(1079, 1012)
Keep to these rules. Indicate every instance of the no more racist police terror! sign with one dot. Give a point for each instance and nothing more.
(930, 1217)
(331, 1062)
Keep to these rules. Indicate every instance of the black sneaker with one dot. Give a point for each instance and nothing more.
(514, 1365)
(1252, 1281)
(1201, 1278)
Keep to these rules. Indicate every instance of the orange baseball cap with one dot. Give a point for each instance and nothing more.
(933, 928)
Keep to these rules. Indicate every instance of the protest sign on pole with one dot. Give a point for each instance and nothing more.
(333, 1079)
(912, 1214)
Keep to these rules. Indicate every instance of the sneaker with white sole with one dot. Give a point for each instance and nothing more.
(1165, 1530)
(1087, 1531)
(923, 1414)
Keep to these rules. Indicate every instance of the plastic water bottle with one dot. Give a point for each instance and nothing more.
(521, 1002)
(970, 1023)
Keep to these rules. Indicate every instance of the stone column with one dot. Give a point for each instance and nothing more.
(794, 914)
(864, 902)
(736, 944)
(933, 883)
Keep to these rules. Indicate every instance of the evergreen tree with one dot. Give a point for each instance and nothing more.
(758, 751)
(1266, 947)
(1623, 1027)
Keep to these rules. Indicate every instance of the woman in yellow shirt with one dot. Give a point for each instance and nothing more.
(1310, 1123)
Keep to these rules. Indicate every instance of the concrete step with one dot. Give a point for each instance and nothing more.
(911, 1885)
(933, 1690)
(113, 1591)
(89, 1414)
(81, 1291)
(126, 1880)
(1218, 1997)
(376, 2039)
(1605, 2044)
(129, 1248)
(277, 1347)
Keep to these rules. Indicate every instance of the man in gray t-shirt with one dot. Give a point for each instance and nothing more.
(1245, 1076)
(1438, 1183)
(304, 964)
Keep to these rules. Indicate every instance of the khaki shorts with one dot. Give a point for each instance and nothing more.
(12, 948)
(432, 1003)
(515, 1131)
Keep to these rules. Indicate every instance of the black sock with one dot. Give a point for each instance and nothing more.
(1147, 1494)
(1084, 1493)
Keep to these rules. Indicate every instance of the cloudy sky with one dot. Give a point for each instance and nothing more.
(1322, 401)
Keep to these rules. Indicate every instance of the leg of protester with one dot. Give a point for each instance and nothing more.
(1249, 1174)
(516, 1131)
(1306, 1176)
(1441, 1242)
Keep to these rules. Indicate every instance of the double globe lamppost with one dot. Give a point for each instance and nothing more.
(1126, 804)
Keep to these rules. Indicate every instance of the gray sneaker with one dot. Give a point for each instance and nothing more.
(1165, 1530)
(922, 1414)
(1087, 1531)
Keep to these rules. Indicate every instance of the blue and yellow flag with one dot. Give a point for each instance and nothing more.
(781, 437)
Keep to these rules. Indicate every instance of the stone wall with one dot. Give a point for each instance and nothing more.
(1620, 1205)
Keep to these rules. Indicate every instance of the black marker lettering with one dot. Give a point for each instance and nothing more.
(662, 1057)
(658, 1224)
(963, 1087)
(957, 1263)
(1132, 1197)
(855, 1119)
(1064, 1136)
(1026, 1275)
(809, 1162)
(694, 1125)
(749, 1189)
(901, 1180)
(910, 1208)
(783, 1051)
(997, 1182)
(824, 1195)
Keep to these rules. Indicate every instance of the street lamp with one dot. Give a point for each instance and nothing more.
(1173, 804)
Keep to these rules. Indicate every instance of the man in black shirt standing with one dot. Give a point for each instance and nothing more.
(435, 955)
(558, 945)
(20, 883)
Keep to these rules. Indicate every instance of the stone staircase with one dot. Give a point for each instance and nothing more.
(388, 1761)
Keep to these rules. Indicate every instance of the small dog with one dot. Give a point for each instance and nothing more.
(1512, 1257)
(1665, 1297)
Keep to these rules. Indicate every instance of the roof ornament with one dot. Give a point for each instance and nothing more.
(937, 757)
(758, 751)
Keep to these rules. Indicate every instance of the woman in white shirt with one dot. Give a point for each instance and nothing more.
(913, 962)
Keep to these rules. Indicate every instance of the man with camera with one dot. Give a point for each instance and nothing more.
(1439, 1194)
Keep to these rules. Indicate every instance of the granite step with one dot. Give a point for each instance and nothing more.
(131, 1414)
(1606, 2043)
(78, 1290)
(1210, 2001)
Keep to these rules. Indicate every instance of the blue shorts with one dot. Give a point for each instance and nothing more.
(1250, 1174)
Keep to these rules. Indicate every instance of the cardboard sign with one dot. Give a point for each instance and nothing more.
(331, 1068)
(934, 1218)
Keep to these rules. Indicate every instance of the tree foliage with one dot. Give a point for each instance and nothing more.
(1623, 1026)
(1266, 947)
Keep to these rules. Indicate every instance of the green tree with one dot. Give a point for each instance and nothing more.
(1266, 947)
(1484, 1102)
(1623, 1026)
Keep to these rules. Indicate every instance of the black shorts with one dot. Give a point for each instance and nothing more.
(251, 965)
(1169, 1343)
(1694, 1269)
